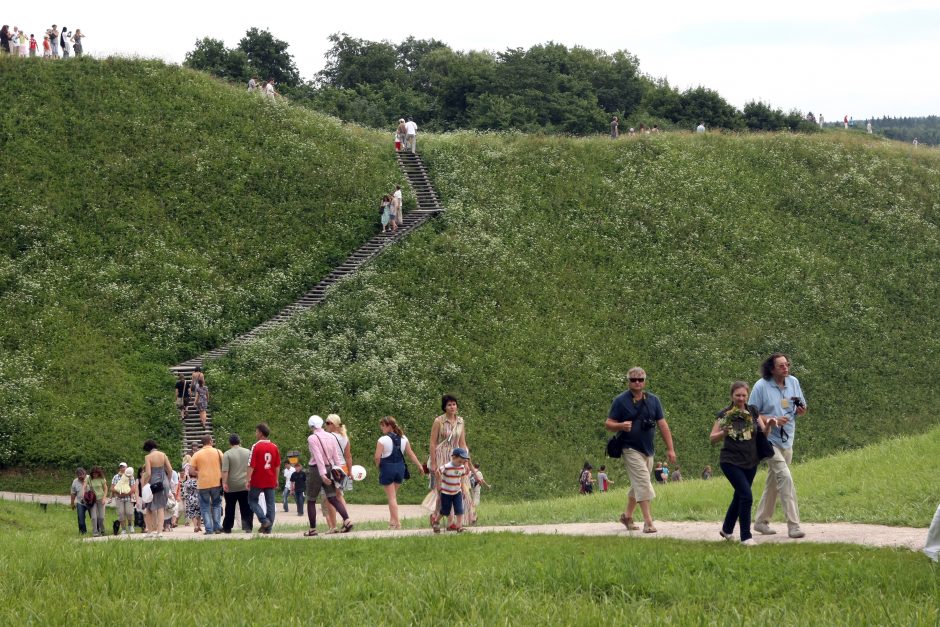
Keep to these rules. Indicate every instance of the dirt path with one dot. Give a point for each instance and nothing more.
(868, 535)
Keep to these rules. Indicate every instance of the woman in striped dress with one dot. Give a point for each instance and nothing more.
(447, 433)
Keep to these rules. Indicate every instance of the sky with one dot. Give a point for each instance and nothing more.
(862, 58)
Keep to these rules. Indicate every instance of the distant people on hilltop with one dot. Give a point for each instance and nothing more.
(821, 120)
(54, 40)
(614, 128)
(77, 40)
(65, 42)
(269, 90)
(868, 126)
(700, 128)
(253, 84)
(5, 37)
(845, 121)
(33, 45)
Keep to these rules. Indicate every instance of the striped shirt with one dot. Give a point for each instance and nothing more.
(451, 477)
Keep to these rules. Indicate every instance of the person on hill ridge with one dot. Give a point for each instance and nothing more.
(701, 127)
(252, 84)
(65, 42)
(634, 415)
(77, 38)
(400, 134)
(46, 48)
(264, 459)
(778, 397)
(33, 45)
(54, 40)
(734, 427)
(614, 128)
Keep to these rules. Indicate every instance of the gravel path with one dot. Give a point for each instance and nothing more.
(868, 535)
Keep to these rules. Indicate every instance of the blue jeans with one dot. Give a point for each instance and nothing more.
(82, 513)
(270, 504)
(210, 508)
(286, 495)
(740, 508)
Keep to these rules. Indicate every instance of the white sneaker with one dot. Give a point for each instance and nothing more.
(796, 533)
(749, 542)
(764, 529)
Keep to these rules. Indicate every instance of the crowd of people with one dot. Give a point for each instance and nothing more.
(757, 424)
(55, 43)
(248, 479)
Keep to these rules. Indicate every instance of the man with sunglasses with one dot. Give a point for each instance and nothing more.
(634, 416)
(779, 399)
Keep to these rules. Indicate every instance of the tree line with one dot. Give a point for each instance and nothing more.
(547, 88)
(925, 129)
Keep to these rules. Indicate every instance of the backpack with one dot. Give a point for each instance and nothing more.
(89, 498)
(123, 486)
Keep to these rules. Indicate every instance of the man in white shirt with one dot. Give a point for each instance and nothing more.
(288, 471)
(700, 128)
(411, 132)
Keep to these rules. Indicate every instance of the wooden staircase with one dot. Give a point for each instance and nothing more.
(428, 205)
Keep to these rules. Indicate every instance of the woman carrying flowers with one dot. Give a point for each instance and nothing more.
(739, 458)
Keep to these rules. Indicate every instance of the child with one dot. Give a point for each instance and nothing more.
(298, 487)
(33, 45)
(587, 481)
(450, 479)
(602, 480)
(46, 48)
(476, 480)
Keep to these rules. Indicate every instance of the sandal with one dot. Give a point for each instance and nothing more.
(648, 528)
(310, 533)
(333, 530)
(459, 529)
(347, 526)
(628, 522)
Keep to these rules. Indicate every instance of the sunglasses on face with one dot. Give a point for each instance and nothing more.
(637, 379)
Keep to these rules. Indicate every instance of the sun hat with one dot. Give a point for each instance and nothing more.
(122, 464)
(315, 421)
(129, 472)
(460, 452)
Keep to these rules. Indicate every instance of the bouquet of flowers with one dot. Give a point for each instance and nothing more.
(738, 424)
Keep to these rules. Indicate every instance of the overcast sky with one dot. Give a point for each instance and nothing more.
(860, 58)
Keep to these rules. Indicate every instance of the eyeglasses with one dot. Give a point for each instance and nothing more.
(637, 379)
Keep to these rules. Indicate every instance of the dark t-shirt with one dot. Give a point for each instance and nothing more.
(299, 479)
(741, 453)
(647, 410)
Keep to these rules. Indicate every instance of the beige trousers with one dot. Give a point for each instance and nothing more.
(779, 483)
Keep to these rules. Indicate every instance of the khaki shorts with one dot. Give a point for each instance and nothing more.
(638, 468)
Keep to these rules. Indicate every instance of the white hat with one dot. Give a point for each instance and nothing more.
(122, 464)
(129, 471)
(315, 421)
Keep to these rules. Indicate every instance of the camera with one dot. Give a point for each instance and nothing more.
(797, 401)
(647, 423)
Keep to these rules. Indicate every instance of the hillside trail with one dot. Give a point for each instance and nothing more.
(912, 538)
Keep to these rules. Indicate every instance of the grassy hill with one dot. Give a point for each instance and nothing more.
(150, 212)
(154, 212)
(564, 262)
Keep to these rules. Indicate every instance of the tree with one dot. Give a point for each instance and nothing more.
(211, 55)
(268, 57)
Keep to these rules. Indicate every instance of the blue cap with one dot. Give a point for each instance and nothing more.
(460, 452)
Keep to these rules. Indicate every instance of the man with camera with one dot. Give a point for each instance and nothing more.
(634, 416)
(779, 399)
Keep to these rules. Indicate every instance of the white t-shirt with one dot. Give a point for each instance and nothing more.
(387, 445)
(396, 198)
(411, 128)
(287, 473)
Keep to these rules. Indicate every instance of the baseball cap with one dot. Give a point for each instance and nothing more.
(315, 421)
(122, 464)
(460, 452)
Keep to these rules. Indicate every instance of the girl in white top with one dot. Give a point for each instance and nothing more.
(390, 453)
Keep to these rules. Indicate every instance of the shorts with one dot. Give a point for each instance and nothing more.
(390, 473)
(179, 402)
(455, 500)
(638, 468)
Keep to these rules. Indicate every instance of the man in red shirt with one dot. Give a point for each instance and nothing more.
(263, 464)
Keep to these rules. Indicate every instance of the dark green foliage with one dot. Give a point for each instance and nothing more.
(259, 54)
(925, 129)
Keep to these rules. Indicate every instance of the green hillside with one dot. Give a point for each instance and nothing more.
(564, 262)
(148, 213)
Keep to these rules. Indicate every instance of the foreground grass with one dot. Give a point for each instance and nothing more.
(481, 580)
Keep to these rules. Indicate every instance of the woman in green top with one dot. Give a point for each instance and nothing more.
(99, 485)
